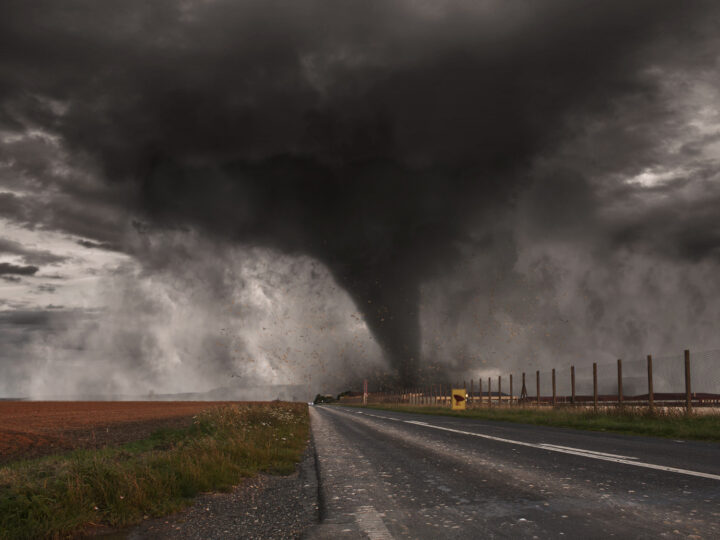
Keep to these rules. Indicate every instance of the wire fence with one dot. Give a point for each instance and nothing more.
(668, 381)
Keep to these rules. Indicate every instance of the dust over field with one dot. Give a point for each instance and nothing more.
(36, 428)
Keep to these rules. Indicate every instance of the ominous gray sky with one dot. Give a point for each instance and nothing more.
(197, 194)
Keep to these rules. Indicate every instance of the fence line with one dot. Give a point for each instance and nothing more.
(629, 388)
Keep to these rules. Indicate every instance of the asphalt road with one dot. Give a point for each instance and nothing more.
(396, 475)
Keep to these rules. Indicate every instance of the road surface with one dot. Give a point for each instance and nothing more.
(397, 475)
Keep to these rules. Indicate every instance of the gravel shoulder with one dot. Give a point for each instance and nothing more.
(263, 507)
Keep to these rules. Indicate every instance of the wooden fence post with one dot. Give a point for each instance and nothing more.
(471, 391)
(572, 384)
(499, 389)
(595, 393)
(511, 394)
(553, 384)
(523, 391)
(480, 391)
(537, 386)
(489, 391)
(688, 396)
(620, 392)
(651, 396)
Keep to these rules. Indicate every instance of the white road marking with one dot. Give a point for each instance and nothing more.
(371, 523)
(545, 445)
(574, 451)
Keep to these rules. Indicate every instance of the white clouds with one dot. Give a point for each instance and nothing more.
(656, 177)
(73, 276)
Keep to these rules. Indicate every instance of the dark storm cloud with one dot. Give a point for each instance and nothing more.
(25, 318)
(50, 188)
(97, 245)
(30, 256)
(688, 230)
(12, 207)
(88, 216)
(45, 288)
(15, 269)
(374, 136)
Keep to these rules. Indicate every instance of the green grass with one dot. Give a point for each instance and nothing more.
(635, 421)
(59, 495)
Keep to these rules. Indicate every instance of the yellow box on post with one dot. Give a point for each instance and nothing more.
(459, 399)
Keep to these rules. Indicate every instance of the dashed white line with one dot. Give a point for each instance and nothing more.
(371, 523)
(593, 452)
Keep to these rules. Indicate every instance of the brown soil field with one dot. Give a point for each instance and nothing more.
(34, 428)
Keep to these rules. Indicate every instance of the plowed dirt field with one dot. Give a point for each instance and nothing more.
(35, 428)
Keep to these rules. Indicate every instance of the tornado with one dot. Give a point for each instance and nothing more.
(378, 238)
(376, 137)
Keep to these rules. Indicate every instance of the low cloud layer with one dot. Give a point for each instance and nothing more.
(482, 184)
(18, 270)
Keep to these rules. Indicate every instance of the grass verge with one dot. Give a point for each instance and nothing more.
(57, 496)
(635, 421)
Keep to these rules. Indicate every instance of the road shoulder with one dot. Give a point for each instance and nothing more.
(263, 507)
